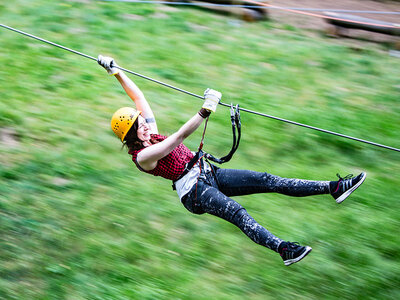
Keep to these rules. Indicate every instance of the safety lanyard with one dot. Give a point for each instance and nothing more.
(236, 127)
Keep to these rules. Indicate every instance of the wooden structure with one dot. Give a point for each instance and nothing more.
(341, 21)
(250, 14)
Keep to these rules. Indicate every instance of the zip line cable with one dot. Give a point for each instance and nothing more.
(256, 6)
(201, 97)
(95, 59)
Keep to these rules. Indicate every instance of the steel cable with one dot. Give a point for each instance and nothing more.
(201, 97)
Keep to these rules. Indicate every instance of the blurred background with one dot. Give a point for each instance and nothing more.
(79, 221)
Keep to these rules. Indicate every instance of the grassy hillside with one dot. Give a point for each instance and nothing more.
(79, 221)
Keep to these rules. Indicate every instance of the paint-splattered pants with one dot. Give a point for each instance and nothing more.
(214, 189)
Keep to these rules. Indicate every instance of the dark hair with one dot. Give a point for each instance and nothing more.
(131, 140)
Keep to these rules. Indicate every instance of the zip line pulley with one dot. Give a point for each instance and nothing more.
(201, 97)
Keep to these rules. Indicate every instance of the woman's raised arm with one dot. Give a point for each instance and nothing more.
(132, 90)
(148, 157)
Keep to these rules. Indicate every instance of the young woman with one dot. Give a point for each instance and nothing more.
(205, 188)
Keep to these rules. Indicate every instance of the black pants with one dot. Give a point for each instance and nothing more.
(213, 191)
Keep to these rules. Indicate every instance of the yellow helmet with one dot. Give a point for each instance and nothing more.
(122, 120)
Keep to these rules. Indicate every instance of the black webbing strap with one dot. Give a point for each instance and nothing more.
(236, 126)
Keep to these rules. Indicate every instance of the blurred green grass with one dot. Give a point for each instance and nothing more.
(78, 221)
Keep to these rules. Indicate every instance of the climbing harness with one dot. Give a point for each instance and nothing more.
(201, 97)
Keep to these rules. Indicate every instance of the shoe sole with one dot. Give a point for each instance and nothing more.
(295, 260)
(348, 192)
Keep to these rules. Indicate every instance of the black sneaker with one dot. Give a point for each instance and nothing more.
(347, 185)
(293, 252)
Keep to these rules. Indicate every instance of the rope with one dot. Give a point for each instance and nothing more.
(201, 97)
(202, 137)
(257, 6)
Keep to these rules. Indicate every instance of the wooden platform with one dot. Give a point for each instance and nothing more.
(356, 22)
(247, 14)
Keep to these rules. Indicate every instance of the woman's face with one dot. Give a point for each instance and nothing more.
(143, 132)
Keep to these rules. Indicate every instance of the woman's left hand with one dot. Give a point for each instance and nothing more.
(212, 98)
(109, 64)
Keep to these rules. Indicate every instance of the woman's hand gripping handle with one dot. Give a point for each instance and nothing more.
(212, 98)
